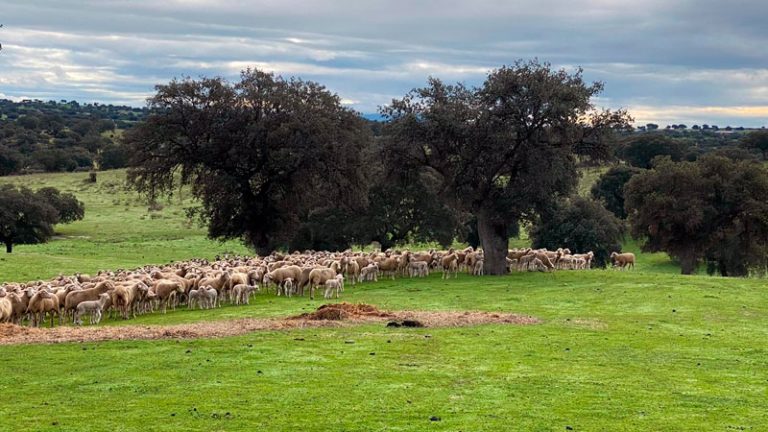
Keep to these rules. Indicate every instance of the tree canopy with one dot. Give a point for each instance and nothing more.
(28, 217)
(757, 140)
(502, 152)
(713, 209)
(640, 150)
(261, 154)
(609, 188)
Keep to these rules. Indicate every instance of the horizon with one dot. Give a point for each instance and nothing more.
(110, 52)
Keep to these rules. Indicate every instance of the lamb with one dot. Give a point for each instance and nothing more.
(93, 307)
(340, 278)
(210, 297)
(76, 297)
(288, 287)
(623, 260)
(332, 285)
(477, 269)
(418, 269)
(194, 296)
(242, 293)
(369, 273)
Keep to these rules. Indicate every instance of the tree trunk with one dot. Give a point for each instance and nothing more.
(8, 247)
(493, 238)
(688, 262)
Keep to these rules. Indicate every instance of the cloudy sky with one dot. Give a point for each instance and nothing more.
(667, 61)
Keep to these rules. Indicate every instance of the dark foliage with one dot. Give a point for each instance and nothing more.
(28, 217)
(609, 188)
(640, 150)
(502, 152)
(713, 209)
(261, 154)
(581, 225)
(60, 136)
(757, 140)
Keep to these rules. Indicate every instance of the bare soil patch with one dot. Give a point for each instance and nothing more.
(329, 315)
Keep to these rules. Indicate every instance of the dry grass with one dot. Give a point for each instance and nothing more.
(332, 315)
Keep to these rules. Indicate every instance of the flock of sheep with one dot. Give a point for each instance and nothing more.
(204, 284)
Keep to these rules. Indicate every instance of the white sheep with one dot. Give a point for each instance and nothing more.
(332, 285)
(94, 308)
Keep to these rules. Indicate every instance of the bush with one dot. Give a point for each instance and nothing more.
(581, 225)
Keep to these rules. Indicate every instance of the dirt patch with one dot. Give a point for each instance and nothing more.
(332, 315)
(344, 311)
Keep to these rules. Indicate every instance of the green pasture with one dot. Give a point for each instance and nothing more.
(642, 350)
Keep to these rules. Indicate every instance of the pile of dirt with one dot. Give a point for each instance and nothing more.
(330, 315)
(344, 311)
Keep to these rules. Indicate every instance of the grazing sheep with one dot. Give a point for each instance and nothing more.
(623, 260)
(94, 308)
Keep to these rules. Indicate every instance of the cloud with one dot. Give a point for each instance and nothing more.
(664, 59)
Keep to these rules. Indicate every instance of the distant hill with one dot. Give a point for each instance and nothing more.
(37, 136)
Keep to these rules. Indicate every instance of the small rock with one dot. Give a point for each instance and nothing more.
(349, 342)
(435, 418)
(568, 428)
(373, 353)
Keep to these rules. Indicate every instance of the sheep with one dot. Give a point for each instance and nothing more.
(537, 264)
(623, 260)
(289, 287)
(166, 291)
(418, 269)
(351, 269)
(450, 263)
(279, 275)
(318, 277)
(93, 307)
(389, 265)
(369, 273)
(6, 307)
(75, 297)
(210, 297)
(41, 303)
(241, 293)
(332, 285)
(340, 278)
(477, 269)
(194, 296)
(125, 298)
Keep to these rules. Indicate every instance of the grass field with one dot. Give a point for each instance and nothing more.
(118, 231)
(648, 350)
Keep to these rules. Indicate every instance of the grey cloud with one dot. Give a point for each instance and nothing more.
(659, 56)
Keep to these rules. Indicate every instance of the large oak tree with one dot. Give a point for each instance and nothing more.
(503, 152)
(261, 154)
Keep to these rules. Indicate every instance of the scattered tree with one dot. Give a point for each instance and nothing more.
(258, 153)
(582, 225)
(711, 209)
(640, 150)
(28, 217)
(757, 140)
(503, 152)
